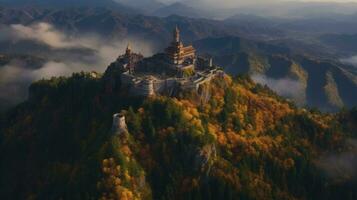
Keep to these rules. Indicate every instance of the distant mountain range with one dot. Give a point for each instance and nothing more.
(267, 50)
(53, 3)
(322, 84)
(60, 3)
(182, 9)
(177, 9)
(328, 23)
(117, 24)
(145, 6)
(342, 42)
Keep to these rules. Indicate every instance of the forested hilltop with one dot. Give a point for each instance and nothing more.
(243, 142)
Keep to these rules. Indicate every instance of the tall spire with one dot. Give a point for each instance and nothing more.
(128, 49)
(176, 34)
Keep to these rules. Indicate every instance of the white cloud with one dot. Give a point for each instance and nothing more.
(45, 33)
(15, 76)
(351, 60)
(340, 166)
(285, 87)
(103, 50)
(13, 81)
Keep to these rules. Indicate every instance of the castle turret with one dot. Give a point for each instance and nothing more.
(148, 87)
(119, 124)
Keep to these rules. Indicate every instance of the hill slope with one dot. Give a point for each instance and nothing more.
(245, 142)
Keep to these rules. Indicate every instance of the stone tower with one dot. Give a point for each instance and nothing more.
(148, 87)
(119, 124)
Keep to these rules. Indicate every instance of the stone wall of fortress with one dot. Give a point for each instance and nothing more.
(148, 85)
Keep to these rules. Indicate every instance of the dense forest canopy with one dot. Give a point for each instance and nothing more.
(243, 142)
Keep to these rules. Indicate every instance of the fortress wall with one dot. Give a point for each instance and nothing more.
(212, 74)
(163, 86)
(187, 85)
(126, 79)
(144, 88)
(159, 86)
(139, 91)
(149, 87)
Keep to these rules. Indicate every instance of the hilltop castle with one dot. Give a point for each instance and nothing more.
(178, 68)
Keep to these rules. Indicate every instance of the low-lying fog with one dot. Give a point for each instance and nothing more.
(64, 54)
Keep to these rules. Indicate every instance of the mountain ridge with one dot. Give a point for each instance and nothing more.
(316, 77)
